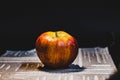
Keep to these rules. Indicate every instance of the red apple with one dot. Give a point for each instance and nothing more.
(56, 49)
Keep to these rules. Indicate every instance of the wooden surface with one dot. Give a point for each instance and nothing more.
(90, 64)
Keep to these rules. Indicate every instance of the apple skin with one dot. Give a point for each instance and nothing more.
(56, 49)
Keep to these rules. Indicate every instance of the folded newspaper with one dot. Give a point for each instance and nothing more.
(91, 64)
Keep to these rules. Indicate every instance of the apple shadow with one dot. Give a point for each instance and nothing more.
(69, 69)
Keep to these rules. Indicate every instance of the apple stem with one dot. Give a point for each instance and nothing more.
(56, 34)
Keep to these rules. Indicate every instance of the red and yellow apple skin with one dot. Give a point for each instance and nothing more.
(56, 49)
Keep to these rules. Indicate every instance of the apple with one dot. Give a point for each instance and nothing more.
(56, 49)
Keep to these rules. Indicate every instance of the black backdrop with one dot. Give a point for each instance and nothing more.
(92, 27)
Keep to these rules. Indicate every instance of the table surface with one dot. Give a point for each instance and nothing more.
(91, 64)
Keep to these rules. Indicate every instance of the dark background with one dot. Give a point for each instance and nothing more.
(92, 27)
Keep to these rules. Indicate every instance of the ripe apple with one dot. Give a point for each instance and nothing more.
(56, 49)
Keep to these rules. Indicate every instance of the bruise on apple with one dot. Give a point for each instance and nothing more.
(40, 48)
